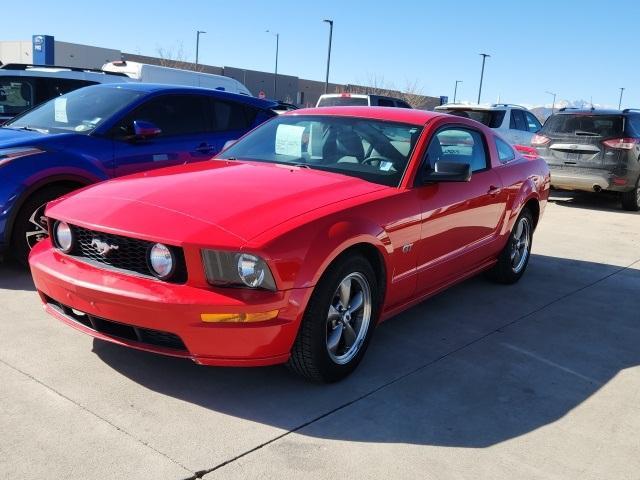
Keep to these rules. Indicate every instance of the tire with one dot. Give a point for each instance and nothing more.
(514, 258)
(330, 343)
(29, 227)
(631, 200)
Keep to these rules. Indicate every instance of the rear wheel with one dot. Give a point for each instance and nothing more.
(631, 200)
(514, 258)
(338, 322)
(30, 226)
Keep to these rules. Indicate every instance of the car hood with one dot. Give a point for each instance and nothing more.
(10, 137)
(232, 200)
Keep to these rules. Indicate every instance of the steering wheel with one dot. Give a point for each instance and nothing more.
(377, 158)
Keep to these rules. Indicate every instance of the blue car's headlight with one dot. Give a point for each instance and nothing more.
(9, 154)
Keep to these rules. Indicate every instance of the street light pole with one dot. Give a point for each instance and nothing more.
(326, 82)
(455, 90)
(553, 105)
(275, 74)
(620, 101)
(484, 57)
(198, 33)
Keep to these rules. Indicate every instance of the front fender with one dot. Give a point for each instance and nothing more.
(300, 257)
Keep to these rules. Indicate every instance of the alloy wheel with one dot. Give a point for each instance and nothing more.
(37, 227)
(521, 244)
(348, 318)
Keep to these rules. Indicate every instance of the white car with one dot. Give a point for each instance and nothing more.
(515, 123)
(24, 86)
(359, 100)
(147, 73)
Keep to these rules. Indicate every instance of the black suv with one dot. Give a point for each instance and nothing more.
(593, 151)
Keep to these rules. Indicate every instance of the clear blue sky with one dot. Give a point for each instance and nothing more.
(579, 49)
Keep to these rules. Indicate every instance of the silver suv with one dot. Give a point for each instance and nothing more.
(24, 86)
(515, 123)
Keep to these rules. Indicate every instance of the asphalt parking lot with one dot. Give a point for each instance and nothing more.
(537, 380)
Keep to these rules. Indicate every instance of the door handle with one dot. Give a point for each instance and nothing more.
(493, 190)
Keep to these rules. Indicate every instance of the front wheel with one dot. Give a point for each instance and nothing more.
(338, 322)
(30, 226)
(514, 258)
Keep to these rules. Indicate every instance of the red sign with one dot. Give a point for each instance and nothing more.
(262, 94)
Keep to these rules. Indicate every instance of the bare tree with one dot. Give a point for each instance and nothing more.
(377, 85)
(174, 57)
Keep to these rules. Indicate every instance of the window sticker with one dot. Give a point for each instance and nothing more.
(289, 140)
(385, 166)
(60, 110)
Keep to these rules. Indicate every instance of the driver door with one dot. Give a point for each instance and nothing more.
(458, 219)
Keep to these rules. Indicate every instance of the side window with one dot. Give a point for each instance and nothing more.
(517, 121)
(385, 102)
(173, 114)
(458, 145)
(16, 95)
(60, 86)
(533, 123)
(401, 104)
(505, 152)
(231, 116)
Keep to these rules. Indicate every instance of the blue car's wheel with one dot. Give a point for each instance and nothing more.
(30, 226)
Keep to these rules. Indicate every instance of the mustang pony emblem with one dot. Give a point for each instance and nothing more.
(103, 248)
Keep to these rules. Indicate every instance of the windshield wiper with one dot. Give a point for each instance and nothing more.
(586, 134)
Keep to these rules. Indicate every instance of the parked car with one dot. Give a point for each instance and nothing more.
(106, 131)
(296, 241)
(24, 86)
(515, 123)
(143, 72)
(359, 100)
(283, 107)
(594, 151)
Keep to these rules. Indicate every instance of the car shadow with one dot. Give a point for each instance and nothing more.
(474, 366)
(14, 276)
(603, 201)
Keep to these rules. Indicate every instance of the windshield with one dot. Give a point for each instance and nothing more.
(80, 111)
(584, 125)
(490, 118)
(373, 150)
(343, 101)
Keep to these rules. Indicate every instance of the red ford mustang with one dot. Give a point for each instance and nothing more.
(296, 241)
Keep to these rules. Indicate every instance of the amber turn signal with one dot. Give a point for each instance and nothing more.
(238, 317)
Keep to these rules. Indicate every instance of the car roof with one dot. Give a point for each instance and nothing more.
(392, 114)
(588, 111)
(467, 106)
(159, 87)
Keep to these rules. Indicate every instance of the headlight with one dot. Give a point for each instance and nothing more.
(8, 154)
(161, 261)
(63, 236)
(237, 269)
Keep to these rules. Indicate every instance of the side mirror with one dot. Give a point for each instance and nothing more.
(448, 172)
(143, 130)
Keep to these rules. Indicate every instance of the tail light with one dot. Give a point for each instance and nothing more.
(621, 143)
(539, 140)
(528, 152)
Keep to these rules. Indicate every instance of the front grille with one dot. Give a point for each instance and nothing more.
(128, 254)
(122, 331)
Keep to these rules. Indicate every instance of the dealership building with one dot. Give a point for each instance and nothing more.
(46, 50)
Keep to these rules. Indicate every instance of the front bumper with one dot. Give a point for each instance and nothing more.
(114, 301)
(590, 180)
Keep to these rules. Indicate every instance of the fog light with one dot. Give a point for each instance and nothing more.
(161, 261)
(63, 237)
(238, 317)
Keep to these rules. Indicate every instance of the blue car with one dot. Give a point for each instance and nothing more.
(106, 131)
